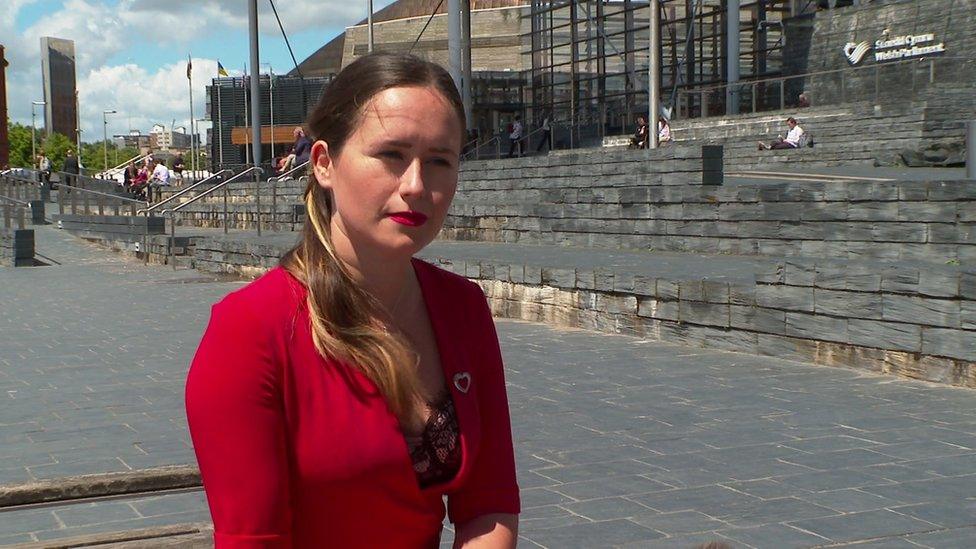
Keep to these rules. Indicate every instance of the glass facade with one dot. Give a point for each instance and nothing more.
(589, 61)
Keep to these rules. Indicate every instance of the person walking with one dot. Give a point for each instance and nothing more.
(70, 168)
(178, 166)
(338, 400)
(544, 139)
(515, 137)
(44, 167)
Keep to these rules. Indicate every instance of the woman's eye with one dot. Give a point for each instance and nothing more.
(441, 162)
(396, 155)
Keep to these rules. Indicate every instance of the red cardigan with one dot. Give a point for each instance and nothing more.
(299, 451)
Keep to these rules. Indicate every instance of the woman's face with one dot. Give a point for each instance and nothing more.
(393, 181)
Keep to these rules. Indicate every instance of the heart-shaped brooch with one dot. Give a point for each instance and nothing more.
(462, 381)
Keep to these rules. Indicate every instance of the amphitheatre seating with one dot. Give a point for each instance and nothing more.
(861, 273)
(853, 133)
(241, 205)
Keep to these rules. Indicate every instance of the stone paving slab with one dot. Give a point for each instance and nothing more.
(619, 441)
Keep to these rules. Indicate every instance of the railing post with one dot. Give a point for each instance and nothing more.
(753, 98)
(257, 191)
(100, 201)
(87, 202)
(60, 203)
(274, 206)
(931, 70)
(172, 237)
(225, 209)
(782, 94)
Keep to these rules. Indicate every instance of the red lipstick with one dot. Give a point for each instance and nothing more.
(409, 218)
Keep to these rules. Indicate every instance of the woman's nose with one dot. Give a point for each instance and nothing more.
(412, 180)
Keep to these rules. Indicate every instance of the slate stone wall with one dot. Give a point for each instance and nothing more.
(16, 247)
(894, 319)
(816, 43)
(619, 202)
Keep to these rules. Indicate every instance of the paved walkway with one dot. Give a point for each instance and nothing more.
(620, 442)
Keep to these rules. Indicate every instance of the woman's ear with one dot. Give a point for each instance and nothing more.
(322, 164)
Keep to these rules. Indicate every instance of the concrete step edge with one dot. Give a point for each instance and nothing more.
(197, 534)
(103, 484)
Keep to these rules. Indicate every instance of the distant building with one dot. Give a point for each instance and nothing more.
(135, 140)
(161, 139)
(58, 77)
(227, 97)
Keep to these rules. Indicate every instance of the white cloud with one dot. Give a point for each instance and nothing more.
(141, 98)
(102, 32)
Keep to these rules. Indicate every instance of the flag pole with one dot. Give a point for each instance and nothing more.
(247, 125)
(189, 79)
(220, 127)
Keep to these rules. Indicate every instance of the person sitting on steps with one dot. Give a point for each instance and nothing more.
(639, 140)
(792, 141)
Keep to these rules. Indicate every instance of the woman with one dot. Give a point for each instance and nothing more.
(140, 183)
(337, 399)
(129, 176)
(663, 130)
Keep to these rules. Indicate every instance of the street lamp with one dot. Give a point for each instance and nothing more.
(34, 130)
(199, 139)
(78, 131)
(105, 140)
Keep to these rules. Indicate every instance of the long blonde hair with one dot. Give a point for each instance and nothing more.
(345, 318)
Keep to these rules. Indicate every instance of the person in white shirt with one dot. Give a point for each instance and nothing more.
(160, 175)
(792, 140)
(663, 130)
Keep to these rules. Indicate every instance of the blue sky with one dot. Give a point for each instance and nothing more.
(130, 54)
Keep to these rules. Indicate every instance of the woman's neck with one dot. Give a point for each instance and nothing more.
(386, 279)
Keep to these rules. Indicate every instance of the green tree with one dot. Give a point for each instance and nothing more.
(20, 145)
(55, 146)
(93, 155)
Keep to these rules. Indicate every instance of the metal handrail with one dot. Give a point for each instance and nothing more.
(743, 84)
(274, 195)
(289, 172)
(116, 169)
(221, 185)
(182, 192)
(818, 73)
(15, 201)
(495, 139)
(218, 186)
(109, 195)
(74, 192)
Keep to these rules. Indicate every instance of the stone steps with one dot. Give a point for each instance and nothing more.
(911, 319)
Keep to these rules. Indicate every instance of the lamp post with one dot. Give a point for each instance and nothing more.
(78, 141)
(34, 130)
(105, 139)
(200, 165)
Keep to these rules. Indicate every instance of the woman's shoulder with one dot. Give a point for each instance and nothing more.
(273, 296)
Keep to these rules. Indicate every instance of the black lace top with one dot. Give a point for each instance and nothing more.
(436, 453)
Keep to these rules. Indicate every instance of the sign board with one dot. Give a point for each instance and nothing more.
(894, 48)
